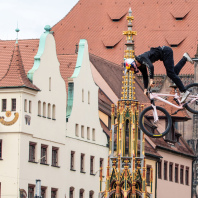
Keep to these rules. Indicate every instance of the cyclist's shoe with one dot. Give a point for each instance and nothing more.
(184, 95)
(189, 59)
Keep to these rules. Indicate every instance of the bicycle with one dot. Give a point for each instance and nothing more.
(157, 118)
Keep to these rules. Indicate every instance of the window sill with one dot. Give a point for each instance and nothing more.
(1, 159)
(53, 119)
(44, 164)
(92, 174)
(39, 115)
(82, 172)
(72, 169)
(48, 118)
(55, 166)
(44, 116)
(33, 162)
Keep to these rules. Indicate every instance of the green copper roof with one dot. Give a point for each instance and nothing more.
(70, 99)
(39, 53)
(75, 74)
(80, 58)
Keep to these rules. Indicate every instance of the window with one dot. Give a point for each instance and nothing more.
(91, 165)
(71, 192)
(170, 171)
(0, 149)
(25, 105)
(30, 191)
(82, 95)
(181, 174)
(165, 170)
(176, 173)
(49, 110)
(50, 83)
(88, 97)
(160, 169)
(88, 133)
(13, 104)
(30, 106)
(81, 193)
(43, 191)
(39, 108)
(32, 149)
(82, 131)
(187, 176)
(54, 192)
(93, 134)
(77, 130)
(72, 167)
(148, 175)
(91, 194)
(44, 109)
(53, 112)
(43, 154)
(4, 101)
(54, 156)
(82, 163)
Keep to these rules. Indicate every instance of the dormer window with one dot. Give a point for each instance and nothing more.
(13, 104)
(4, 102)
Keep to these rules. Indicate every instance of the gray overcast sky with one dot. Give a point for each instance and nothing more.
(31, 15)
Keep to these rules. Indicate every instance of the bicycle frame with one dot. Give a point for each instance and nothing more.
(175, 96)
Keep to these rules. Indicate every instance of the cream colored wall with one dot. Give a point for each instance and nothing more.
(174, 189)
(103, 117)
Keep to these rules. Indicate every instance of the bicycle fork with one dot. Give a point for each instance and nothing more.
(156, 119)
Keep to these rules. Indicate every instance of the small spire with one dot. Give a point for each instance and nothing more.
(47, 28)
(17, 31)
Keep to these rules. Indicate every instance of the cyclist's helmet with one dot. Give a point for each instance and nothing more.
(130, 63)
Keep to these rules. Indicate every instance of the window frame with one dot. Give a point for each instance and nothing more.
(187, 176)
(55, 161)
(82, 163)
(43, 160)
(4, 102)
(92, 160)
(34, 151)
(177, 173)
(148, 175)
(31, 186)
(160, 169)
(72, 160)
(181, 174)
(165, 170)
(171, 171)
(13, 104)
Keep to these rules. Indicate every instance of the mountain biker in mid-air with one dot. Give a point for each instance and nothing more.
(144, 61)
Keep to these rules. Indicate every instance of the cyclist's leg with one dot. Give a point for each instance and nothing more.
(180, 65)
(169, 65)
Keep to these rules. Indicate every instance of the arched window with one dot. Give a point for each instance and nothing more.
(91, 194)
(49, 110)
(44, 109)
(53, 112)
(71, 192)
(81, 193)
(39, 108)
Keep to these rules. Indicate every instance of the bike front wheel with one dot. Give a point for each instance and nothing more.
(192, 100)
(152, 128)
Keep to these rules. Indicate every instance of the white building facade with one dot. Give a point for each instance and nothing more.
(36, 141)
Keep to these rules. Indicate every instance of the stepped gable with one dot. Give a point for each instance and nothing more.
(173, 24)
(15, 75)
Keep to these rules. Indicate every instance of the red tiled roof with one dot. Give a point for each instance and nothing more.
(15, 75)
(100, 28)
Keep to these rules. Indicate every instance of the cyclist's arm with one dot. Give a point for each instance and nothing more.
(143, 70)
(150, 67)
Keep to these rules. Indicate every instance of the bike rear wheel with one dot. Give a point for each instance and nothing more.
(192, 105)
(155, 130)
